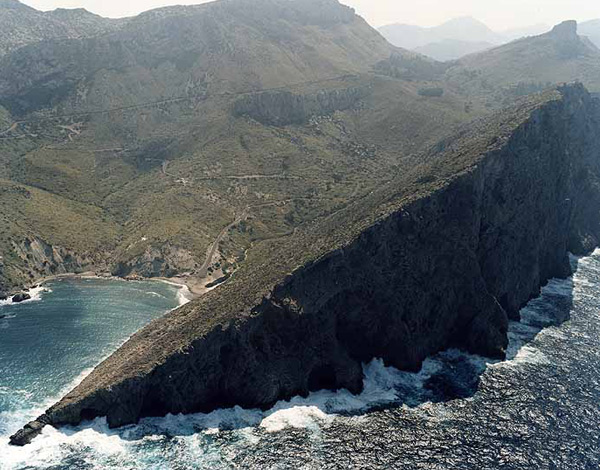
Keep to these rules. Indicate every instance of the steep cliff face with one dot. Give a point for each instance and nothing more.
(441, 258)
(281, 108)
(42, 259)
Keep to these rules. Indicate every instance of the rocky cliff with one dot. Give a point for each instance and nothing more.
(281, 108)
(440, 258)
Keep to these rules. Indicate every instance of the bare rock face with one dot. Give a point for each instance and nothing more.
(41, 259)
(281, 108)
(163, 261)
(441, 260)
(565, 30)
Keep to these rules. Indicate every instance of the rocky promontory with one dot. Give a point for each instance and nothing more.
(440, 258)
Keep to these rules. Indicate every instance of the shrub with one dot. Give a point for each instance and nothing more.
(431, 91)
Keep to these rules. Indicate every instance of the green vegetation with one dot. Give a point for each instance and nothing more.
(134, 142)
(432, 92)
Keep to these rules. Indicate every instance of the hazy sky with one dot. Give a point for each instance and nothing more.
(498, 14)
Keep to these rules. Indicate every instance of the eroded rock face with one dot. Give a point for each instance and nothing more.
(444, 265)
(17, 299)
(281, 108)
(164, 261)
(41, 259)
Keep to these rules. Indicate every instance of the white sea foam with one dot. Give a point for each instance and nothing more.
(382, 385)
(44, 451)
(184, 295)
(155, 294)
(35, 293)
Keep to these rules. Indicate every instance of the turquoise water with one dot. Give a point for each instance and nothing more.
(540, 409)
(48, 343)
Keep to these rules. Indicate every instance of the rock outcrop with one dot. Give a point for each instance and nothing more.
(440, 258)
(281, 108)
(17, 299)
(41, 259)
(163, 261)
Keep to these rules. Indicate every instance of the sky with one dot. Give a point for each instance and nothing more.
(497, 14)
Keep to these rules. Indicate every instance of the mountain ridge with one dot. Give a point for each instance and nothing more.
(462, 36)
(21, 25)
(221, 344)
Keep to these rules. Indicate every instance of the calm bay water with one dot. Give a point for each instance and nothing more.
(538, 410)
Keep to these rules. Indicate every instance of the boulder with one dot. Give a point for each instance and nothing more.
(20, 298)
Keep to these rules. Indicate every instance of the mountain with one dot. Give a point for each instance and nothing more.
(452, 49)
(190, 134)
(528, 65)
(460, 30)
(462, 36)
(21, 25)
(441, 257)
(328, 183)
(591, 29)
(186, 136)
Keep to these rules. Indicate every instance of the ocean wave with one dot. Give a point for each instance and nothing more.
(184, 294)
(44, 452)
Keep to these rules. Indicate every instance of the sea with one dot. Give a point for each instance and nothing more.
(539, 409)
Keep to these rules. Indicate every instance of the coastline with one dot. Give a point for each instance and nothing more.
(189, 288)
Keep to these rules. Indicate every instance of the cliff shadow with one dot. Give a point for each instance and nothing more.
(447, 376)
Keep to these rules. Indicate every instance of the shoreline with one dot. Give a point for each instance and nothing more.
(189, 288)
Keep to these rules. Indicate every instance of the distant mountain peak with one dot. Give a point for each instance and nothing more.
(465, 20)
(13, 5)
(565, 30)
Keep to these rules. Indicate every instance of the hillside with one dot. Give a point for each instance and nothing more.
(591, 29)
(451, 49)
(528, 65)
(196, 132)
(205, 129)
(441, 257)
(21, 25)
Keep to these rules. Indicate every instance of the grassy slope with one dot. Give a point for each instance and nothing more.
(28, 212)
(177, 173)
(555, 57)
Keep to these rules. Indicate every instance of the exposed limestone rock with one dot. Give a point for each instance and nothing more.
(42, 259)
(280, 108)
(163, 261)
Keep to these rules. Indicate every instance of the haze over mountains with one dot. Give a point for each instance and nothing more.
(466, 35)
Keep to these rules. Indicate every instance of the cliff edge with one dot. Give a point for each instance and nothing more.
(441, 258)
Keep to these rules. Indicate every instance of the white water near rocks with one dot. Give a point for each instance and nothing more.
(538, 409)
(36, 295)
